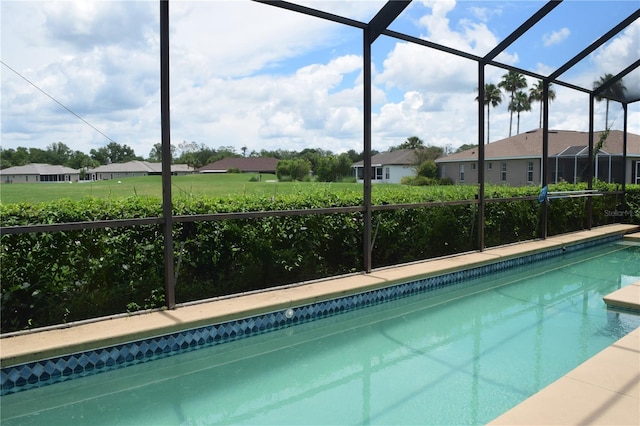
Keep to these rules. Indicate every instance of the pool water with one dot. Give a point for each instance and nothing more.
(458, 355)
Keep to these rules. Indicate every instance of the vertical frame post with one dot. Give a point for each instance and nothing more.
(590, 164)
(366, 87)
(545, 155)
(167, 212)
(481, 168)
(624, 157)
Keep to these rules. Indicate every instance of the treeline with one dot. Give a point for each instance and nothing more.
(323, 164)
(192, 153)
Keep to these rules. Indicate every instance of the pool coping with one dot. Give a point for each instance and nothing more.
(36, 345)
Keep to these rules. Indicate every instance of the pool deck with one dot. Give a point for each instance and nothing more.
(603, 390)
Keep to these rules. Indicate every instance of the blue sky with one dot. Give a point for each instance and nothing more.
(248, 74)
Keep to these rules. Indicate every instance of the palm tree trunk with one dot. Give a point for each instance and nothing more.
(518, 127)
(540, 125)
(511, 115)
(606, 116)
(488, 120)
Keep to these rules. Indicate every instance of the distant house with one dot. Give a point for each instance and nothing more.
(38, 172)
(388, 167)
(244, 164)
(517, 160)
(135, 168)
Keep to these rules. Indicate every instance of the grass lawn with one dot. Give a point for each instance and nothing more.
(213, 185)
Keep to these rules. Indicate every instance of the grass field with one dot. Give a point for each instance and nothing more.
(214, 185)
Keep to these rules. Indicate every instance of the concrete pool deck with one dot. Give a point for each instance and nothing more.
(42, 344)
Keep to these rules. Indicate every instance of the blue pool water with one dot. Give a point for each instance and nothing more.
(458, 355)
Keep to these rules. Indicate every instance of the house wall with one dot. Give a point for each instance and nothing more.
(118, 175)
(516, 172)
(39, 179)
(385, 174)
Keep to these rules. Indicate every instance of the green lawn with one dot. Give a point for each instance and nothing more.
(182, 186)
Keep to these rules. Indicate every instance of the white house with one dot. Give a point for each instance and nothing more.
(39, 172)
(388, 167)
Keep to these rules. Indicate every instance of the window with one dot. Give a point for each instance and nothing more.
(503, 172)
(530, 171)
(473, 166)
(461, 172)
(444, 170)
(376, 173)
(387, 173)
(490, 166)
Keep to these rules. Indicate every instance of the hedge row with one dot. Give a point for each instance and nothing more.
(57, 277)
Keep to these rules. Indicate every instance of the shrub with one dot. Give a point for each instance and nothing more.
(57, 277)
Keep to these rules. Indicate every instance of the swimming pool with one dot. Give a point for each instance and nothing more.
(456, 354)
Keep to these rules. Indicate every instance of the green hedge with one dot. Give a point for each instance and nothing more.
(57, 277)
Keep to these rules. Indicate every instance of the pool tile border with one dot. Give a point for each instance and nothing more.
(44, 372)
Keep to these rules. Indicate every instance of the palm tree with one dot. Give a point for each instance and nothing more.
(615, 91)
(512, 82)
(520, 103)
(535, 95)
(492, 97)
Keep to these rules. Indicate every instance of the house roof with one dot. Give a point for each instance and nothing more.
(244, 164)
(39, 169)
(137, 166)
(561, 142)
(399, 157)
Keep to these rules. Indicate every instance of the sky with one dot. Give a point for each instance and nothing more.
(249, 75)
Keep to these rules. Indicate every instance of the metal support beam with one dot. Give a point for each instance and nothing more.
(522, 29)
(167, 211)
(602, 40)
(481, 168)
(366, 109)
(624, 157)
(385, 17)
(545, 155)
(590, 163)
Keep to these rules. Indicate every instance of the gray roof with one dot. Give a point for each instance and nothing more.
(137, 166)
(39, 169)
(399, 157)
(529, 145)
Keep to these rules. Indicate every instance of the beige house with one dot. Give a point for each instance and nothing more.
(37, 173)
(517, 160)
(133, 169)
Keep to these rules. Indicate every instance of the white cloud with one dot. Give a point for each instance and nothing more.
(556, 37)
(248, 74)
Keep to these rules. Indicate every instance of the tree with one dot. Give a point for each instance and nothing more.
(156, 152)
(428, 153)
(492, 97)
(465, 147)
(519, 104)
(58, 153)
(428, 169)
(244, 151)
(80, 160)
(512, 82)
(535, 95)
(615, 91)
(294, 169)
(412, 142)
(113, 153)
